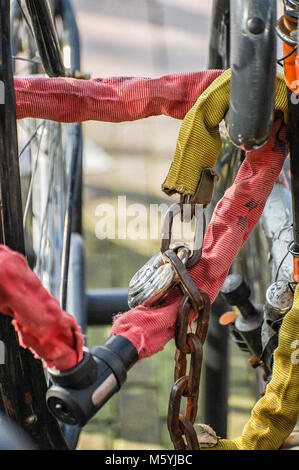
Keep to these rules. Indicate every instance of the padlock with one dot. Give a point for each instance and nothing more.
(156, 278)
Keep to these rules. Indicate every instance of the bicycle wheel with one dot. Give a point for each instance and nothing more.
(37, 209)
(264, 258)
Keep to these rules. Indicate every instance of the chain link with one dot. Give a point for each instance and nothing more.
(187, 343)
(151, 284)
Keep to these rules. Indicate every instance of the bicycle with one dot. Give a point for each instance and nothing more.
(41, 184)
(240, 156)
(266, 258)
(253, 134)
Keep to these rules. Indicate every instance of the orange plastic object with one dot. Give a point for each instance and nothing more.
(291, 68)
(296, 269)
(227, 318)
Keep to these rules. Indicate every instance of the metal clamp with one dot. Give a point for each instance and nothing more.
(291, 8)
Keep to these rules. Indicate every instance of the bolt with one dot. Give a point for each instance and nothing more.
(32, 419)
(255, 25)
(61, 409)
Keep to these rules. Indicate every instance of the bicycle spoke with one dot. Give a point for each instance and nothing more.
(31, 138)
(29, 196)
(25, 18)
(25, 59)
(44, 220)
(51, 224)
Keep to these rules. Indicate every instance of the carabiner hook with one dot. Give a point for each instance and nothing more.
(200, 227)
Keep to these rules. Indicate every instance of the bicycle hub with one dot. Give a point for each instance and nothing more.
(246, 329)
(279, 300)
(78, 393)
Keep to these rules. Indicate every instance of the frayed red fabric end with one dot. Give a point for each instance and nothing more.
(42, 326)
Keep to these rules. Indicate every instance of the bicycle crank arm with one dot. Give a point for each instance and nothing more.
(78, 393)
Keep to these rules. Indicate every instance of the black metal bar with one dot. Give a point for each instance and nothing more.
(293, 136)
(215, 380)
(76, 299)
(219, 36)
(77, 225)
(74, 135)
(216, 371)
(22, 378)
(253, 66)
(46, 37)
(103, 304)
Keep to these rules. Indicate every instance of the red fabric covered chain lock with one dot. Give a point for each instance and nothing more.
(41, 325)
(234, 218)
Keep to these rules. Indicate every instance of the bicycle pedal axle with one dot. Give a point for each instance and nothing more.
(246, 329)
(78, 393)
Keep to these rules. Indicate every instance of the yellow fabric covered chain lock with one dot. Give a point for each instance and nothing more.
(274, 416)
(199, 139)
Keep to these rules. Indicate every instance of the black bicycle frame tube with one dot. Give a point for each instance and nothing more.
(253, 71)
(219, 36)
(293, 136)
(22, 379)
(45, 33)
(215, 392)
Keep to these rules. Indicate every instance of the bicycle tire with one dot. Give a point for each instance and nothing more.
(22, 375)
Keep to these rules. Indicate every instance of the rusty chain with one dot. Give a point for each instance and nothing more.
(187, 384)
(187, 343)
(152, 283)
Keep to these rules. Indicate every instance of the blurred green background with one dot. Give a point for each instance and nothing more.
(146, 38)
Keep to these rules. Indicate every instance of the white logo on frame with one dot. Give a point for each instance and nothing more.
(2, 92)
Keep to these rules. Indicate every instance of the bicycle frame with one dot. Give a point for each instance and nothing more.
(235, 42)
(22, 377)
(216, 371)
(23, 367)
